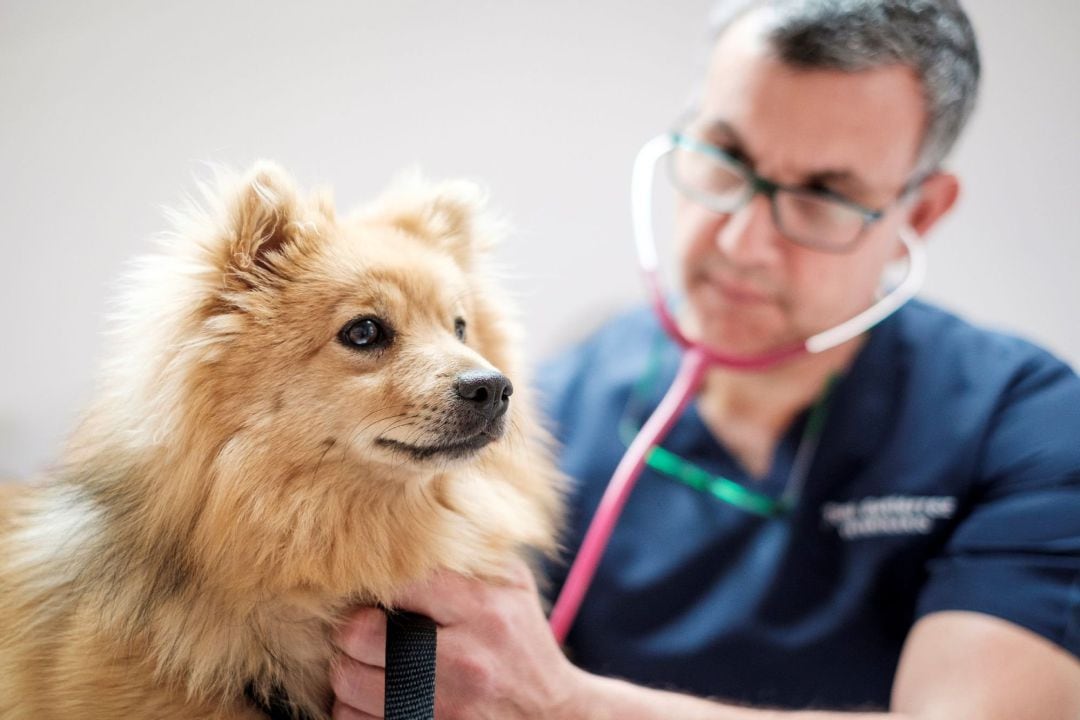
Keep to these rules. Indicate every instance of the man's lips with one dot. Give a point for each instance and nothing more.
(737, 292)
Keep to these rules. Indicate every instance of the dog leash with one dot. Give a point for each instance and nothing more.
(410, 667)
(410, 674)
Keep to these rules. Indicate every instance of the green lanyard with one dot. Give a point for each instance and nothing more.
(720, 487)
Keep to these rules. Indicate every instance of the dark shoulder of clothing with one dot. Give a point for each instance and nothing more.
(947, 478)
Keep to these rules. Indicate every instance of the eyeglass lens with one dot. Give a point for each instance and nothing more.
(722, 185)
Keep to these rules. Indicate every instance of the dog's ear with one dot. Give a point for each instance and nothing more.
(452, 215)
(265, 218)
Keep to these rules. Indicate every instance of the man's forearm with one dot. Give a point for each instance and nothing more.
(610, 699)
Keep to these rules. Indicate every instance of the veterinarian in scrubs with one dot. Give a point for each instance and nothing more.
(930, 565)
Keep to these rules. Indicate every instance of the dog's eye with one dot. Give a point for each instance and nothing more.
(364, 333)
(459, 329)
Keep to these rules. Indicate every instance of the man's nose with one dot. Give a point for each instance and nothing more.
(750, 236)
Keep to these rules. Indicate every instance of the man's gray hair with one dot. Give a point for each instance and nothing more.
(932, 37)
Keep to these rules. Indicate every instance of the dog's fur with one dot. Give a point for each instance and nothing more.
(244, 477)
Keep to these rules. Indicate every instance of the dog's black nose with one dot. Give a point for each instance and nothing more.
(490, 391)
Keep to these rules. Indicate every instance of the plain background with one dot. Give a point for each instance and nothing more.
(109, 110)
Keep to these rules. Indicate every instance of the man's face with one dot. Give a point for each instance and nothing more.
(857, 134)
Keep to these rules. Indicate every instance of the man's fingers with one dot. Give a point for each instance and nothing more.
(363, 636)
(448, 598)
(443, 596)
(359, 686)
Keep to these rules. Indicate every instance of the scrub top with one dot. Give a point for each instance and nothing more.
(947, 477)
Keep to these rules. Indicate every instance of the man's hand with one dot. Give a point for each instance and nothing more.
(497, 659)
(496, 656)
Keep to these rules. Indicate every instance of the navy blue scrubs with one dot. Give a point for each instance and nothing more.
(947, 478)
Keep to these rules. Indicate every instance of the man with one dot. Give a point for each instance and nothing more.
(931, 565)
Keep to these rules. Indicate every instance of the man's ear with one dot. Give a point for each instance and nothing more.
(936, 196)
(264, 217)
(451, 215)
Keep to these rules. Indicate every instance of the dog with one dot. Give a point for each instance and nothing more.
(300, 413)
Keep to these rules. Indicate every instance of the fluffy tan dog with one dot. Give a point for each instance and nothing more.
(301, 413)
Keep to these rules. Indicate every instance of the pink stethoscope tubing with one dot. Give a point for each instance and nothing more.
(697, 359)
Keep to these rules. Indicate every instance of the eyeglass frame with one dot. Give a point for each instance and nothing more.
(769, 188)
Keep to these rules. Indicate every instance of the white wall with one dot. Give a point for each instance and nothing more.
(107, 110)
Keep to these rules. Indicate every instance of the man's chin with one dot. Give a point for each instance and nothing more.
(743, 334)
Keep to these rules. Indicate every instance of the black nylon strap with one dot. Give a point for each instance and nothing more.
(410, 667)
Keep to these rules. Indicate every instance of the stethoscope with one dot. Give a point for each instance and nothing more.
(697, 358)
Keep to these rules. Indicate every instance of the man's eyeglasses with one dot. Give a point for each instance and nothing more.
(817, 219)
